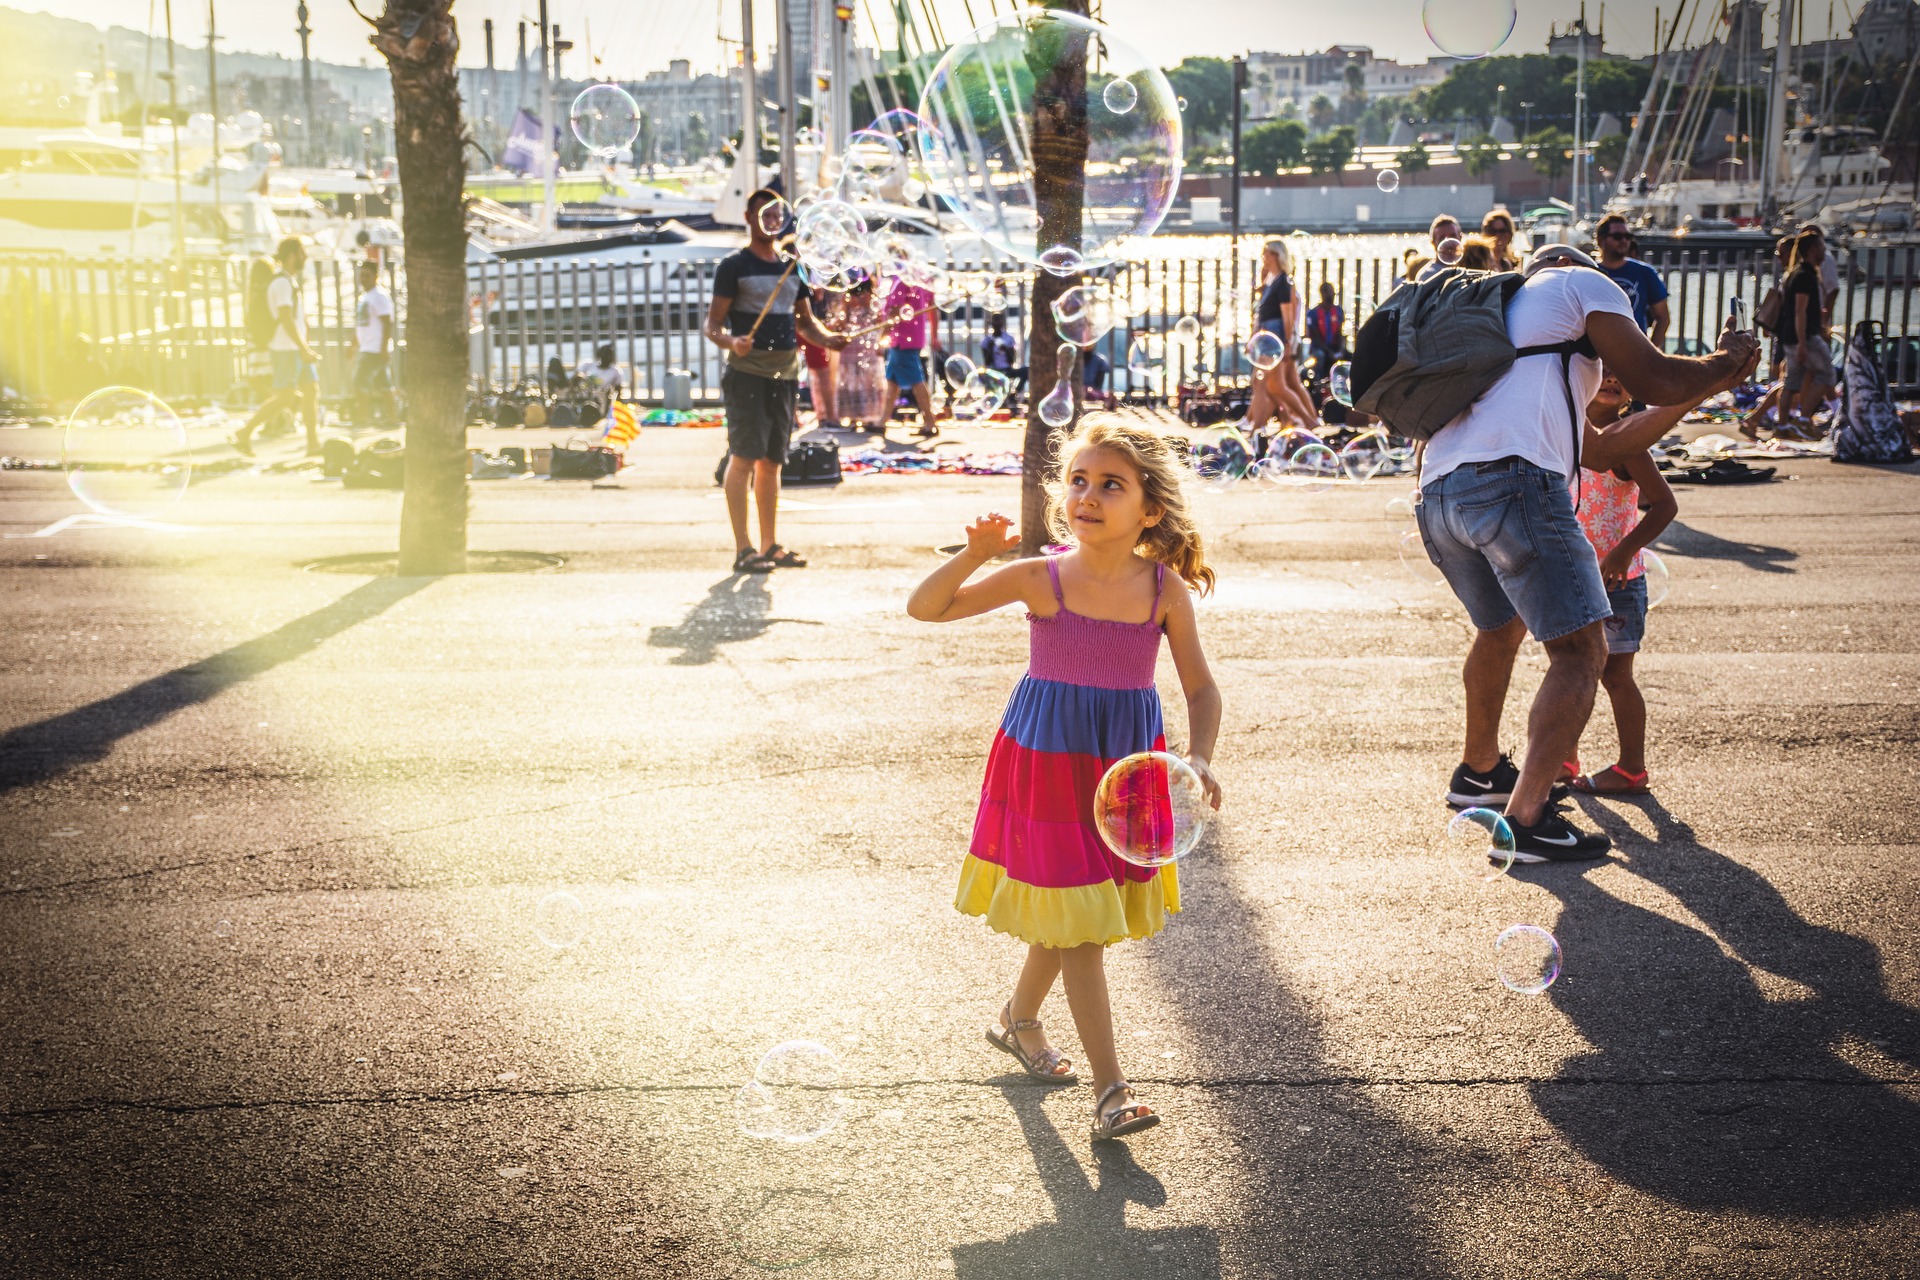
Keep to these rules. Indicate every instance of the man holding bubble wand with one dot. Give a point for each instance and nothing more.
(758, 313)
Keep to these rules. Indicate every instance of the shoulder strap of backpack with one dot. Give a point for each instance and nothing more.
(1581, 346)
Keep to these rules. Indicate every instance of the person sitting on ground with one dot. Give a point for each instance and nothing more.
(602, 378)
(1622, 511)
(1497, 228)
(1496, 516)
(1095, 372)
(296, 365)
(1639, 281)
(1326, 331)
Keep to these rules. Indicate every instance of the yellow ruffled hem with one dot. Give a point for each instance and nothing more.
(1105, 913)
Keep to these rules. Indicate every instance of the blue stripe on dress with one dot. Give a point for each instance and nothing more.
(1052, 715)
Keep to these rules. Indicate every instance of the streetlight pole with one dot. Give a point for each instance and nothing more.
(306, 82)
(549, 158)
(749, 99)
(783, 22)
(1239, 85)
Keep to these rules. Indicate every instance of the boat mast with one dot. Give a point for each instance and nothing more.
(1772, 162)
(549, 156)
(749, 99)
(213, 110)
(173, 112)
(783, 77)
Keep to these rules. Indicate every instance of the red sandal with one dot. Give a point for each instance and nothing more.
(1636, 783)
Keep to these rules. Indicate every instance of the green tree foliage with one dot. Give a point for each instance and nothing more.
(1479, 154)
(1321, 113)
(1546, 80)
(1550, 151)
(1207, 85)
(1414, 158)
(1353, 102)
(1271, 147)
(699, 141)
(1331, 152)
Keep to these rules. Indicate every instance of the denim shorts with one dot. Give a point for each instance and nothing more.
(904, 368)
(1504, 536)
(290, 370)
(1628, 625)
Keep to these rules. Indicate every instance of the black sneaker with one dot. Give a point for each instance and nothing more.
(1491, 788)
(1554, 839)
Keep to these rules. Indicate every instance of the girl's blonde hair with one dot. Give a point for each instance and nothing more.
(1281, 253)
(1173, 540)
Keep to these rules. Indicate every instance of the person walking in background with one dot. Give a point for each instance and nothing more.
(1766, 318)
(373, 334)
(757, 316)
(1622, 512)
(1641, 283)
(1803, 330)
(1326, 331)
(1278, 390)
(1497, 227)
(823, 369)
(909, 310)
(296, 366)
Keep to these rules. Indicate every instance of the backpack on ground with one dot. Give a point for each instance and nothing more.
(1868, 426)
(1437, 345)
(811, 463)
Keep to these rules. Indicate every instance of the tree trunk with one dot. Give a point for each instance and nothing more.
(420, 42)
(1059, 194)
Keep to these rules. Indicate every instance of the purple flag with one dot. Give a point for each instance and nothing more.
(522, 152)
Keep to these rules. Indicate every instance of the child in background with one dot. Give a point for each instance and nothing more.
(1610, 512)
(1038, 869)
(909, 307)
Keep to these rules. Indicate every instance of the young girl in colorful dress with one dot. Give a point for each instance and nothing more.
(1610, 512)
(1038, 869)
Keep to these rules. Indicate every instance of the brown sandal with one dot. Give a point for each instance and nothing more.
(1044, 1065)
(1110, 1124)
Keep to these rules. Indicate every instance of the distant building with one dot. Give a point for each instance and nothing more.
(1888, 29)
(1575, 35)
(671, 98)
(1277, 79)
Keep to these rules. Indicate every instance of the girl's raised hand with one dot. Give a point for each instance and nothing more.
(991, 535)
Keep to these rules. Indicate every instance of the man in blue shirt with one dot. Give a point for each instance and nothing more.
(1640, 282)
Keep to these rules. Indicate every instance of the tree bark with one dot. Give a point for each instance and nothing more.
(1059, 194)
(420, 43)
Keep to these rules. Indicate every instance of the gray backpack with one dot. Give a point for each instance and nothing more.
(1436, 345)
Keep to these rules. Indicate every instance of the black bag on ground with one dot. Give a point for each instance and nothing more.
(1437, 345)
(811, 463)
(582, 462)
(381, 465)
(1867, 428)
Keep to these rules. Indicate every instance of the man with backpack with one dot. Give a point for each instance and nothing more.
(296, 366)
(1494, 372)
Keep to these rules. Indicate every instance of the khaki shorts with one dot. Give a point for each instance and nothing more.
(1818, 364)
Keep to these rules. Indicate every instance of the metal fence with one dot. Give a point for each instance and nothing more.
(179, 329)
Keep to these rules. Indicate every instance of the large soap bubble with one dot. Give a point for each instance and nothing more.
(1469, 28)
(1151, 809)
(985, 110)
(794, 1095)
(125, 453)
(606, 119)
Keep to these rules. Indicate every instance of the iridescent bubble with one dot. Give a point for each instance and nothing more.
(1468, 28)
(1412, 549)
(1449, 252)
(1225, 458)
(1526, 958)
(957, 369)
(1388, 180)
(1659, 580)
(1362, 457)
(125, 452)
(785, 1227)
(794, 1095)
(871, 156)
(560, 920)
(1265, 349)
(1400, 508)
(1083, 315)
(981, 396)
(995, 299)
(1120, 95)
(773, 217)
(1340, 382)
(606, 119)
(1061, 260)
(1147, 352)
(1187, 329)
(1312, 468)
(1151, 809)
(1479, 844)
(981, 118)
(1056, 407)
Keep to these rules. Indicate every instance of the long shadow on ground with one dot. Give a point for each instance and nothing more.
(44, 750)
(1679, 538)
(1736, 1097)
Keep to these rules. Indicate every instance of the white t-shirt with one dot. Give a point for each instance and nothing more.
(1524, 414)
(601, 375)
(283, 293)
(374, 304)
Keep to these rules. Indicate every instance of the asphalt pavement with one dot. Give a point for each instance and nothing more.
(275, 836)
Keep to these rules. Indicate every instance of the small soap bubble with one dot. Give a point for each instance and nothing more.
(1340, 382)
(1449, 252)
(1412, 549)
(1312, 468)
(1151, 809)
(957, 369)
(1120, 95)
(1061, 260)
(606, 119)
(773, 217)
(560, 920)
(1469, 28)
(1083, 315)
(794, 1095)
(1479, 844)
(1659, 579)
(223, 929)
(1388, 180)
(1526, 959)
(1186, 328)
(1265, 349)
(126, 453)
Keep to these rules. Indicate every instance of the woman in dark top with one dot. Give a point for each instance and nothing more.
(1802, 329)
(1279, 390)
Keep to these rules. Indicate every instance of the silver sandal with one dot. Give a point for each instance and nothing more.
(1106, 1124)
(1042, 1065)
